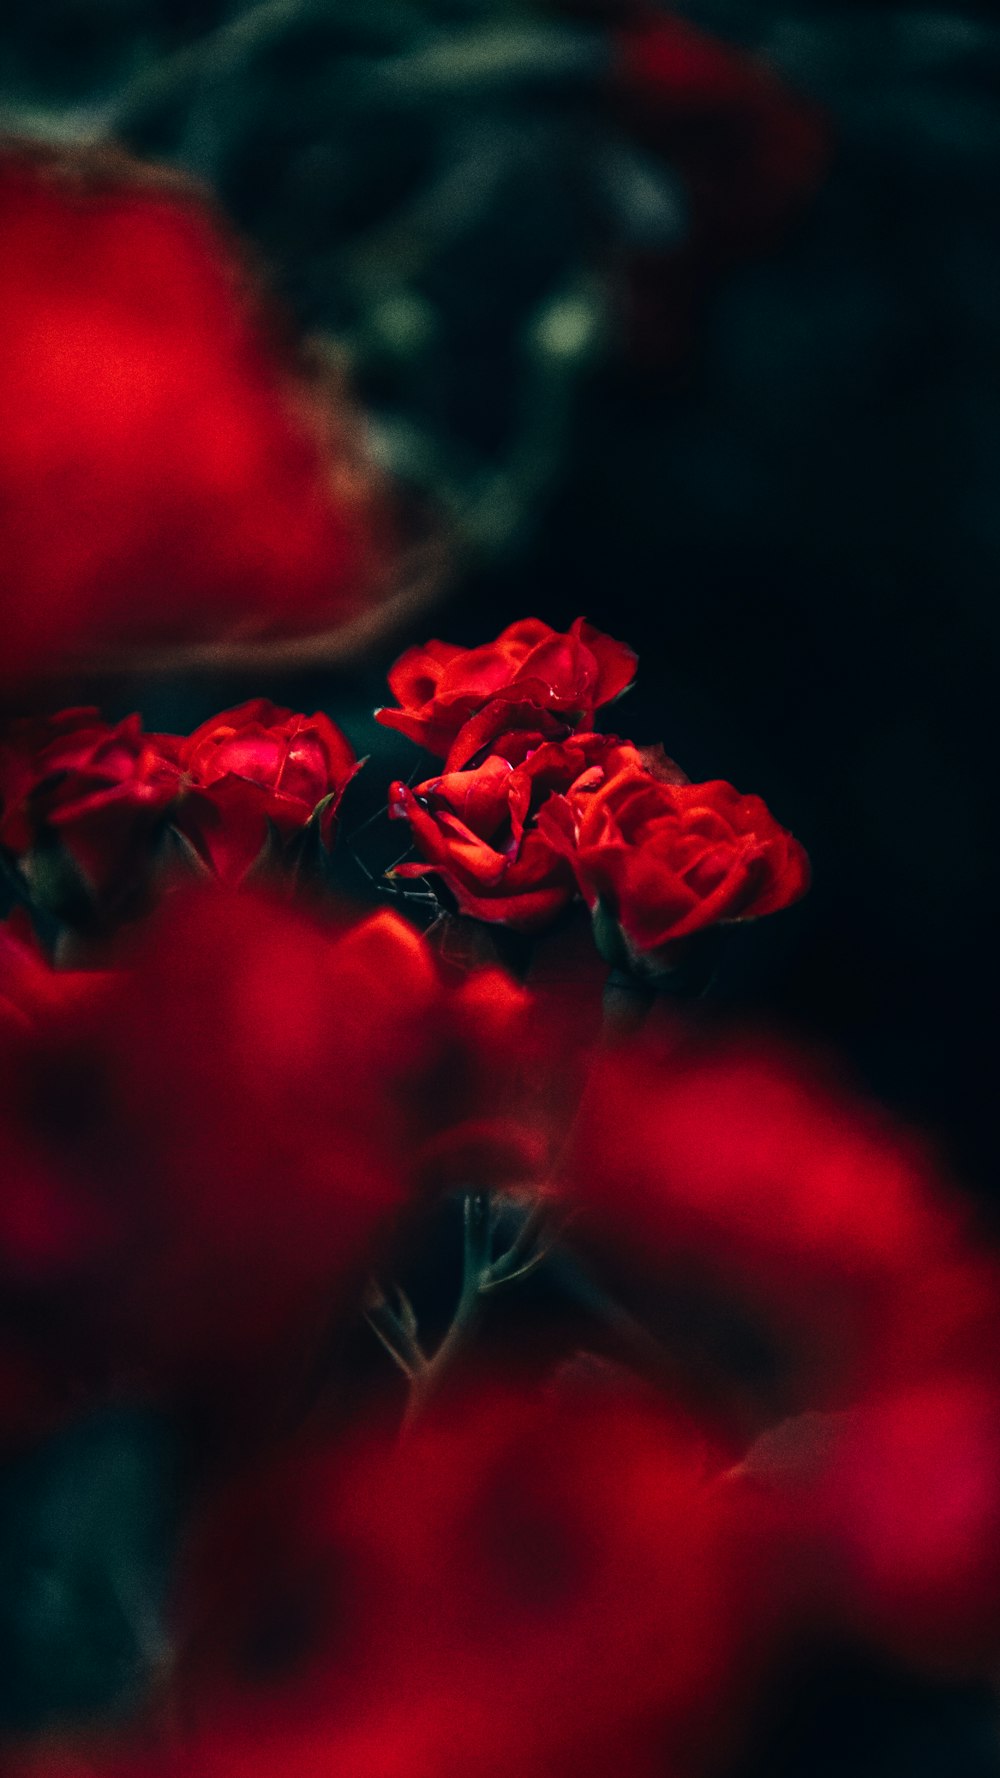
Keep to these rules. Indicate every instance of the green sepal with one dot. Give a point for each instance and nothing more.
(610, 940)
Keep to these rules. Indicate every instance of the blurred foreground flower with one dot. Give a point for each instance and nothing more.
(167, 475)
(536, 1584)
(474, 204)
(738, 1187)
(205, 1146)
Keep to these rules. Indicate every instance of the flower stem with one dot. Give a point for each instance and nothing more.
(477, 1247)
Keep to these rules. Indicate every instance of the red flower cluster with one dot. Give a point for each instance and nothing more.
(84, 803)
(533, 808)
(165, 476)
(219, 1153)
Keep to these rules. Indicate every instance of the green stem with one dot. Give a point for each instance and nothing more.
(396, 1335)
(627, 1003)
(476, 1250)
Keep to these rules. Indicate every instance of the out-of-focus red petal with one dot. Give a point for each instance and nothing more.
(166, 475)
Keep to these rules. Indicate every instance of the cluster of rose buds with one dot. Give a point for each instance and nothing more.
(751, 1394)
(534, 808)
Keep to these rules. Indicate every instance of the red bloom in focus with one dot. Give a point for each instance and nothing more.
(530, 672)
(254, 768)
(477, 830)
(749, 151)
(666, 859)
(165, 475)
(98, 791)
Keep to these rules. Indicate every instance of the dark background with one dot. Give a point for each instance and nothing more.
(797, 526)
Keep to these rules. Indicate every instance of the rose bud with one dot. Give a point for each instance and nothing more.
(258, 775)
(456, 701)
(82, 805)
(661, 860)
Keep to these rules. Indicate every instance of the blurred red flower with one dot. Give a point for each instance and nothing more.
(666, 859)
(526, 1583)
(206, 1148)
(165, 474)
(200, 1155)
(884, 1520)
(257, 768)
(749, 151)
(30, 989)
(737, 1178)
(456, 701)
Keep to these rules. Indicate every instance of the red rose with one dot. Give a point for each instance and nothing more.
(98, 791)
(477, 829)
(254, 767)
(530, 672)
(666, 859)
(166, 474)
